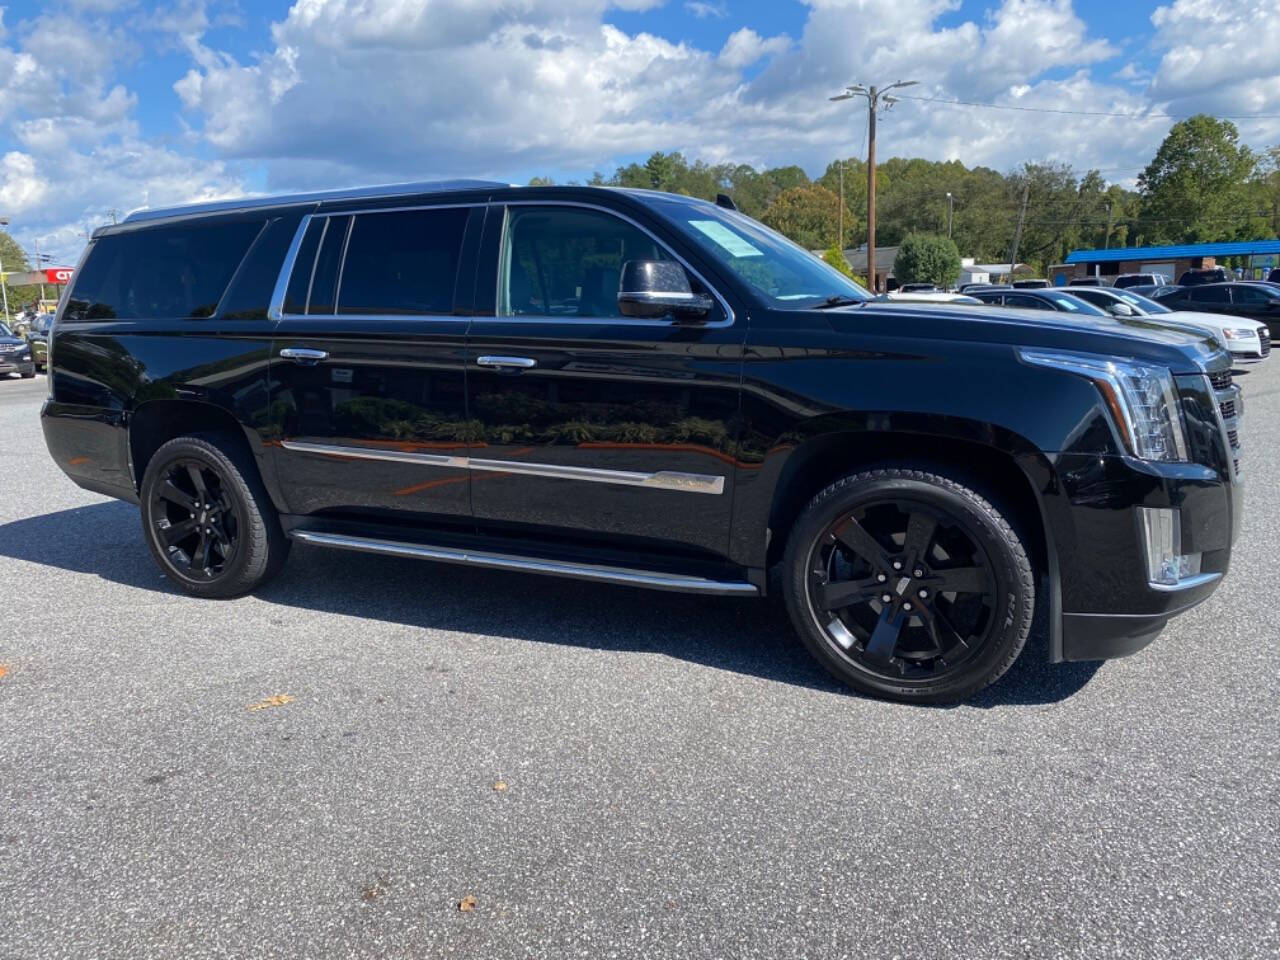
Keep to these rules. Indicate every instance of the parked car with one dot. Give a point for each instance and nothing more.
(38, 338)
(970, 288)
(1274, 275)
(1241, 298)
(1086, 282)
(1051, 299)
(917, 288)
(15, 355)
(1140, 279)
(1246, 341)
(387, 371)
(925, 296)
(1031, 283)
(1152, 292)
(1195, 278)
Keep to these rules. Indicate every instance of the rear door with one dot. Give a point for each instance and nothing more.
(368, 398)
(594, 428)
(1257, 303)
(1214, 299)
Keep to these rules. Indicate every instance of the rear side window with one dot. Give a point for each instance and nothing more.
(1025, 303)
(402, 262)
(1211, 295)
(1254, 295)
(157, 273)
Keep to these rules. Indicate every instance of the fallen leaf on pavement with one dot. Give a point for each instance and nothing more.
(467, 904)
(499, 787)
(279, 700)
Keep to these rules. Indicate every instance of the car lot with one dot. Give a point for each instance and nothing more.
(680, 779)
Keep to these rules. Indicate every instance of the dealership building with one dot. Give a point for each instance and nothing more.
(1255, 257)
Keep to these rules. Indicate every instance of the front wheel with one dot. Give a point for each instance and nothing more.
(907, 584)
(208, 519)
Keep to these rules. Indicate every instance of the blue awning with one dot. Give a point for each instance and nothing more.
(1180, 252)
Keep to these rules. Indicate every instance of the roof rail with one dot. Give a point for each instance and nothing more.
(280, 200)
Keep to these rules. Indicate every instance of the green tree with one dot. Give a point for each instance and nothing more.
(927, 258)
(14, 260)
(1196, 187)
(808, 215)
(835, 257)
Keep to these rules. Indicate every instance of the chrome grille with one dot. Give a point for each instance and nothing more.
(1264, 337)
(1230, 410)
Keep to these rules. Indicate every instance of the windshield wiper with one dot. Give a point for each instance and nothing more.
(839, 300)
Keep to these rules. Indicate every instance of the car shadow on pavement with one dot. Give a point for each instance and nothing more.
(752, 637)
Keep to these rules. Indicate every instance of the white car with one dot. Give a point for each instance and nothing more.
(925, 296)
(1247, 340)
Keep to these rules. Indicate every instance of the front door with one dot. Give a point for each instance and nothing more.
(368, 399)
(594, 428)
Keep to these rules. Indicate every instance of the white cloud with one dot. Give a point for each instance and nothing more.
(703, 10)
(744, 47)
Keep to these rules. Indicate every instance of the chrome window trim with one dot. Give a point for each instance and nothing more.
(342, 267)
(596, 321)
(276, 310)
(658, 480)
(311, 282)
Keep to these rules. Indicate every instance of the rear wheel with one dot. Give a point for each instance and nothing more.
(207, 518)
(908, 584)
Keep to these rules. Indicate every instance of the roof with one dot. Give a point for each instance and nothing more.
(1182, 251)
(280, 200)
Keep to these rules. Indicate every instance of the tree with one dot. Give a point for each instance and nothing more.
(835, 257)
(927, 258)
(14, 260)
(1195, 189)
(808, 215)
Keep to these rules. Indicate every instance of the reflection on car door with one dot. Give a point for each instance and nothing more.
(592, 427)
(368, 401)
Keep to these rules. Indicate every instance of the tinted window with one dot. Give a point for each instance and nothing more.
(402, 262)
(1210, 295)
(1026, 303)
(1254, 295)
(324, 281)
(567, 261)
(160, 272)
(295, 300)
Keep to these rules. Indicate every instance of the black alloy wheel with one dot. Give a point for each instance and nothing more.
(910, 585)
(208, 519)
(195, 520)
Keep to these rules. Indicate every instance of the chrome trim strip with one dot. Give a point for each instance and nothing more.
(342, 266)
(1199, 580)
(524, 363)
(276, 310)
(660, 480)
(501, 561)
(629, 321)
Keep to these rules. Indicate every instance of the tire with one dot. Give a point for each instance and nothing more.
(948, 563)
(247, 546)
(29, 376)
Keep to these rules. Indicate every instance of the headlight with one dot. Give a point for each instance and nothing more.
(1240, 333)
(1141, 398)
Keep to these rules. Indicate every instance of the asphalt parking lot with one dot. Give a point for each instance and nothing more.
(608, 772)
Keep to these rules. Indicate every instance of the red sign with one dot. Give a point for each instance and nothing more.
(58, 274)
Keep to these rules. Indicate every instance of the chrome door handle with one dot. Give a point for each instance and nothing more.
(510, 363)
(303, 355)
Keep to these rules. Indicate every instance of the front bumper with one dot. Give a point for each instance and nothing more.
(9, 365)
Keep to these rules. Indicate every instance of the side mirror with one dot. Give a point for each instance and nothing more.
(659, 288)
(1120, 310)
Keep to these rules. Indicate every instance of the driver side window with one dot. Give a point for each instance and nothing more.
(567, 261)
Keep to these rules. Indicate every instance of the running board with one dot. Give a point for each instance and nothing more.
(557, 568)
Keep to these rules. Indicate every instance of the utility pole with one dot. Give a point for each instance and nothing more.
(1017, 234)
(4, 281)
(841, 241)
(951, 212)
(1106, 242)
(875, 96)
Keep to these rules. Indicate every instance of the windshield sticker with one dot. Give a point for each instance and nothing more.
(725, 238)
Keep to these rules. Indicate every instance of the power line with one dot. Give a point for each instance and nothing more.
(1086, 113)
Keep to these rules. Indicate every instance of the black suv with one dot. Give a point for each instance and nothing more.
(1241, 298)
(641, 388)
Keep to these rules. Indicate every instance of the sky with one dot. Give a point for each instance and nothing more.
(111, 105)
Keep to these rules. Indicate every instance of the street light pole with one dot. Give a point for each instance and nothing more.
(4, 282)
(951, 212)
(875, 96)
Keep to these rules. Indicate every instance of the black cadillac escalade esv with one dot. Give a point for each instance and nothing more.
(640, 388)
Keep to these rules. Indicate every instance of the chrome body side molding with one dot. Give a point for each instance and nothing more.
(660, 480)
(654, 580)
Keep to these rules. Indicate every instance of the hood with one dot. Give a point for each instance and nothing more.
(1182, 349)
(9, 341)
(1212, 321)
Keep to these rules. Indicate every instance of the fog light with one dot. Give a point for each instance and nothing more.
(1162, 537)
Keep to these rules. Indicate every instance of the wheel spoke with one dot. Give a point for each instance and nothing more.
(884, 639)
(197, 480)
(962, 580)
(174, 494)
(855, 536)
(174, 532)
(833, 596)
(920, 530)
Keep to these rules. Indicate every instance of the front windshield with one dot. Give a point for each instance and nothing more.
(5, 331)
(1141, 303)
(790, 276)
